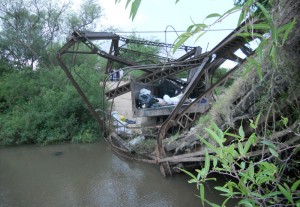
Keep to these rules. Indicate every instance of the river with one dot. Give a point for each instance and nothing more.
(87, 175)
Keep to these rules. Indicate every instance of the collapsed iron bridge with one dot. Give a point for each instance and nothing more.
(161, 120)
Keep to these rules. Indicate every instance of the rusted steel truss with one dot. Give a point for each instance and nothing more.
(223, 51)
(157, 44)
(87, 39)
(205, 63)
(160, 71)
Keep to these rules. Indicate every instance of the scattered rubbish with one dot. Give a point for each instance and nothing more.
(136, 140)
(145, 99)
(172, 100)
(118, 122)
(128, 121)
(116, 75)
(123, 130)
(121, 126)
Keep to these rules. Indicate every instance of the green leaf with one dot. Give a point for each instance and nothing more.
(246, 203)
(212, 15)
(249, 142)
(241, 150)
(226, 200)
(295, 186)
(257, 119)
(269, 143)
(251, 170)
(265, 11)
(232, 151)
(259, 51)
(213, 179)
(236, 8)
(134, 8)
(127, 3)
(188, 173)
(214, 136)
(273, 53)
(195, 28)
(260, 26)
(241, 132)
(189, 29)
(222, 189)
(210, 146)
(214, 126)
(287, 187)
(193, 181)
(247, 5)
(258, 195)
(251, 124)
(211, 204)
(244, 34)
(259, 72)
(248, 34)
(200, 35)
(202, 194)
(241, 18)
(243, 165)
(215, 162)
(199, 174)
(286, 193)
(207, 161)
(242, 188)
(288, 30)
(272, 194)
(273, 152)
(233, 135)
(284, 120)
(275, 35)
(180, 40)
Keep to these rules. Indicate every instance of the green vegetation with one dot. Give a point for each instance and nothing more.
(43, 107)
(254, 182)
(38, 104)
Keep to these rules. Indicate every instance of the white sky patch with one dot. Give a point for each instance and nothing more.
(159, 15)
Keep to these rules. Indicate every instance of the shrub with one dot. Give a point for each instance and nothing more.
(43, 107)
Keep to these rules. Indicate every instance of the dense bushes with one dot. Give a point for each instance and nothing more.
(43, 107)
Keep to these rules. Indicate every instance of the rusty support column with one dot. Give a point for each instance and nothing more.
(193, 71)
(162, 132)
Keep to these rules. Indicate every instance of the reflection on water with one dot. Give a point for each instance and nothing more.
(87, 175)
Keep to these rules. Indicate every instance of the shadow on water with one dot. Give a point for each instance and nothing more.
(87, 175)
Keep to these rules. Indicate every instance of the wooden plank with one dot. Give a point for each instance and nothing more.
(121, 142)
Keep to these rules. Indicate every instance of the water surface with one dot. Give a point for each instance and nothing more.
(85, 175)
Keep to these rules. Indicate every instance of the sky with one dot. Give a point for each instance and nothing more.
(164, 15)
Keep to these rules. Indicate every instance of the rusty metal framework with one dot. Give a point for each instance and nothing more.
(182, 115)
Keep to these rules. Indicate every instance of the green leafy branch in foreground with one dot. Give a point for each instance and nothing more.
(135, 4)
(254, 183)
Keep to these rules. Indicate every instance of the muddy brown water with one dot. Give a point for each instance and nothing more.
(87, 175)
